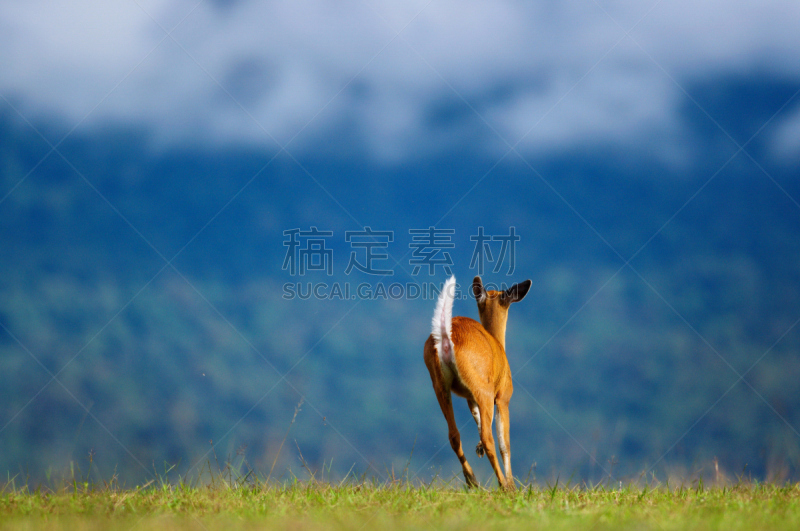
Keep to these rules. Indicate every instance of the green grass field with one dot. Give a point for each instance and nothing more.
(357, 505)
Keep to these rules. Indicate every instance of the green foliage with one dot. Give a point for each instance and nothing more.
(400, 504)
(617, 369)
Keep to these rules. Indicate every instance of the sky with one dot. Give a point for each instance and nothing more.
(394, 81)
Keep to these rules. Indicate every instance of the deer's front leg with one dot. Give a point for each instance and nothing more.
(476, 414)
(503, 440)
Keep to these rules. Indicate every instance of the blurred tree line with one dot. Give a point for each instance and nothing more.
(168, 335)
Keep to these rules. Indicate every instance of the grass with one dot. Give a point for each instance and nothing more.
(243, 502)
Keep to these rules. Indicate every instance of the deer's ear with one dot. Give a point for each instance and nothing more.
(477, 290)
(517, 292)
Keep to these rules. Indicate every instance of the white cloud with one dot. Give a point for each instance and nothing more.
(341, 68)
(786, 138)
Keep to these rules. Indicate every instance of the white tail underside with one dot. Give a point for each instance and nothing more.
(442, 322)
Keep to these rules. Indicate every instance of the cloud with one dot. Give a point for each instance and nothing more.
(323, 76)
(785, 140)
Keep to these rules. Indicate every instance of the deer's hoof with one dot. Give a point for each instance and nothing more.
(479, 450)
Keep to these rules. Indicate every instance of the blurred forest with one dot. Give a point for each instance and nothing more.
(150, 283)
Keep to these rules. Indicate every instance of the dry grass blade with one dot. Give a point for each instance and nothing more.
(296, 411)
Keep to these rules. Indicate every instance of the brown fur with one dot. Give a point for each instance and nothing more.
(481, 375)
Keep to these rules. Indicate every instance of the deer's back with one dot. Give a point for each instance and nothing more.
(480, 358)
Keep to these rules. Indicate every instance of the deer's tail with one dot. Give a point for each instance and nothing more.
(441, 323)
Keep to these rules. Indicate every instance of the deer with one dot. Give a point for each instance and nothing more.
(468, 359)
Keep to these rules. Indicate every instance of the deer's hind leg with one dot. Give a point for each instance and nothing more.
(486, 407)
(442, 389)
